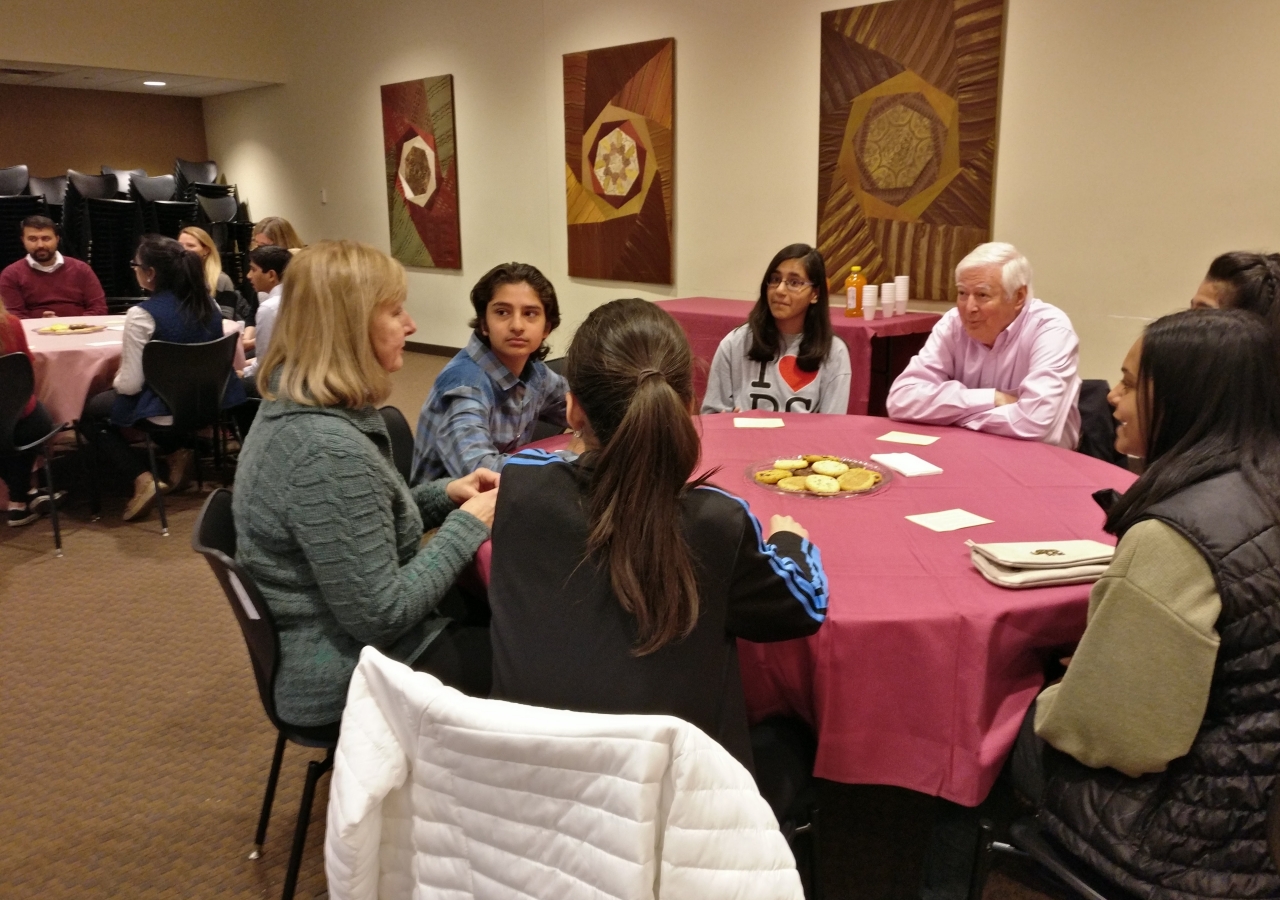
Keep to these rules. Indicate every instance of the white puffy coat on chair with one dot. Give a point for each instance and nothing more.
(440, 795)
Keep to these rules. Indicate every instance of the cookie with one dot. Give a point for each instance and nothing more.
(814, 457)
(789, 464)
(772, 476)
(794, 485)
(830, 467)
(858, 480)
(822, 484)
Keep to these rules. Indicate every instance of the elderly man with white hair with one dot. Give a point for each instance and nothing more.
(1001, 361)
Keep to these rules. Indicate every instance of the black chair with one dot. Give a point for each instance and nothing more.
(118, 306)
(218, 209)
(215, 539)
(14, 180)
(153, 187)
(17, 381)
(784, 750)
(54, 191)
(112, 229)
(12, 211)
(191, 380)
(401, 440)
(124, 177)
(80, 188)
(191, 172)
(1027, 842)
(1097, 425)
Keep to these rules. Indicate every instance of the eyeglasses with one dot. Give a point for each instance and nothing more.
(134, 264)
(794, 285)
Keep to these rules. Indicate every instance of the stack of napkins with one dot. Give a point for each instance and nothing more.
(907, 464)
(1041, 563)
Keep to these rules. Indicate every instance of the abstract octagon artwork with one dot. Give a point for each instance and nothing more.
(619, 133)
(422, 172)
(907, 140)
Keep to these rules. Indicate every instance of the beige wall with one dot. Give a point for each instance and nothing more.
(223, 39)
(1135, 141)
(51, 130)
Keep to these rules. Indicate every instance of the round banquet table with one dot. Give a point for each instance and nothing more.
(70, 368)
(923, 671)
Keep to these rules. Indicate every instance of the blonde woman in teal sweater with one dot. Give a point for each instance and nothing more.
(324, 522)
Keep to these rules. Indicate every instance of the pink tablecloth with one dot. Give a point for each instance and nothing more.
(923, 671)
(70, 368)
(706, 320)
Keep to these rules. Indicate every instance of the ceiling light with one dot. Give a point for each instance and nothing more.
(154, 83)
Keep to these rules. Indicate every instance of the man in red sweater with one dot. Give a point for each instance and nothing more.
(46, 283)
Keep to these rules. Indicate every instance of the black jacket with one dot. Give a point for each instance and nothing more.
(561, 640)
(1198, 829)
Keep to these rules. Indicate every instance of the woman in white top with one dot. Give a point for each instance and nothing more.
(785, 359)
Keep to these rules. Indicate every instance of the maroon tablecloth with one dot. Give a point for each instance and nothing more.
(923, 671)
(706, 320)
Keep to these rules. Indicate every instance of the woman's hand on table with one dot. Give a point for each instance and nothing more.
(786, 523)
(481, 506)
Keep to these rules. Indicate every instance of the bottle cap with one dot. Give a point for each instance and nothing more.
(855, 268)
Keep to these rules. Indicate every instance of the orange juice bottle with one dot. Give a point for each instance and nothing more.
(853, 286)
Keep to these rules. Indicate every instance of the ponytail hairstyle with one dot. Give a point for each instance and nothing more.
(180, 273)
(815, 344)
(631, 370)
(1208, 404)
(1249, 281)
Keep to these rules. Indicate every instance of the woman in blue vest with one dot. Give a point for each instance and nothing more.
(179, 311)
(1154, 759)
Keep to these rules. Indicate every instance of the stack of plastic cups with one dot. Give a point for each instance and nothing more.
(901, 291)
(887, 297)
(869, 301)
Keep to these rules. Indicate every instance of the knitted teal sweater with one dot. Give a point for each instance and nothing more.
(332, 535)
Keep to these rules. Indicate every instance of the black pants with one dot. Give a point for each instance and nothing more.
(108, 442)
(15, 468)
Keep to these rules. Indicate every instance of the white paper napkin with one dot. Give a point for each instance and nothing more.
(907, 464)
(906, 437)
(757, 423)
(948, 519)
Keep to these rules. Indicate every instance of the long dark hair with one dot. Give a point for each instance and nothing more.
(180, 273)
(815, 344)
(514, 273)
(1208, 403)
(631, 369)
(1252, 282)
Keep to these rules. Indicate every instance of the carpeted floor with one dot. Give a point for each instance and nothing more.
(134, 750)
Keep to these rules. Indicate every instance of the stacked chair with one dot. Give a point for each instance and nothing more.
(54, 192)
(188, 174)
(80, 188)
(13, 180)
(123, 178)
(114, 228)
(162, 212)
(12, 211)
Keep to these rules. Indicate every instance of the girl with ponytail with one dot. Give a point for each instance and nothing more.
(1243, 280)
(619, 586)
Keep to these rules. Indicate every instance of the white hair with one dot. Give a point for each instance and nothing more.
(1015, 271)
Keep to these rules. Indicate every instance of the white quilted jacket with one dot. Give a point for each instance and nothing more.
(440, 795)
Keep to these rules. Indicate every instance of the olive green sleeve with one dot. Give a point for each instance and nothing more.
(1135, 692)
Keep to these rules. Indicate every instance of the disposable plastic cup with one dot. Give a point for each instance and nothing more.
(868, 307)
(901, 288)
(887, 298)
(900, 306)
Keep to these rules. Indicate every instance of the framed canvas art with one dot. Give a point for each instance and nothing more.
(619, 136)
(907, 143)
(422, 172)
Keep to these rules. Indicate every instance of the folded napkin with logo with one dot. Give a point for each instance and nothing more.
(1041, 563)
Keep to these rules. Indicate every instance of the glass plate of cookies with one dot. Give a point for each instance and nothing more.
(820, 475)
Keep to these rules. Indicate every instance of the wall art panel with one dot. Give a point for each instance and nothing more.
(619, 129)
(906, 153)
(422, 172)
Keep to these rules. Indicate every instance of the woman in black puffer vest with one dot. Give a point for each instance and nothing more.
(1163, 738)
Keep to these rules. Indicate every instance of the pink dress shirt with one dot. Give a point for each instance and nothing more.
(953, 380)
